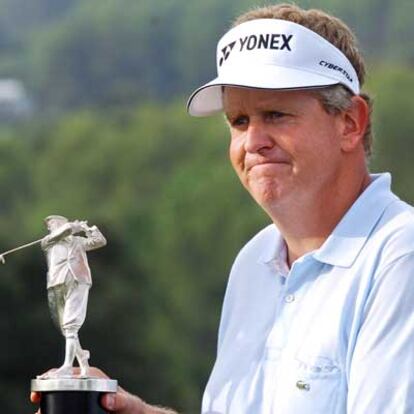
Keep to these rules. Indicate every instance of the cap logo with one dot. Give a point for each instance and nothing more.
(226, 52)
(274, 41)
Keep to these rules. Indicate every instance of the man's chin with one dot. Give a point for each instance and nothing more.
(267, 196)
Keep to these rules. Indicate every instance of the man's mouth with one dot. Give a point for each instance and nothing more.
(268, 164)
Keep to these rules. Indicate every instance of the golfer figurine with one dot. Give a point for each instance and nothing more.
(68, 283)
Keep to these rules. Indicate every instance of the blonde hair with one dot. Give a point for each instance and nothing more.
(333, 98)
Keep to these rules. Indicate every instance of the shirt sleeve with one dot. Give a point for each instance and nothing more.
(381, 376)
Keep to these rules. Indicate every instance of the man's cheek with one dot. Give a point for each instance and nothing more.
(236, 159)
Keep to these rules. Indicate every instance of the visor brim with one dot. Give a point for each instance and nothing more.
(207, 100)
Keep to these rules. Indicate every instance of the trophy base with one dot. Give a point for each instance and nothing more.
(72, 395)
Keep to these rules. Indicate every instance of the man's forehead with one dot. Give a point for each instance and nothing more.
(236, 98)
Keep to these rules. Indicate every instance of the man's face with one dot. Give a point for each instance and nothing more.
(284, 146)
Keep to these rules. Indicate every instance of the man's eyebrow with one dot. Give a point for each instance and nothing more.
(229, 115)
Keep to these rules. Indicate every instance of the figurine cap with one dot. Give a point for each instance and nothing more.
(55, 217)
(273, 54)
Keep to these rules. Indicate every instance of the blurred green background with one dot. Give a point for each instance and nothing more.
(93, 126)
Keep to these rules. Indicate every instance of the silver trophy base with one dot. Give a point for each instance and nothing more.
(74, 384)
(72, 395)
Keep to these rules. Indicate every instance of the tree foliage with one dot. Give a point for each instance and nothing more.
(122, 52)
(393, 109)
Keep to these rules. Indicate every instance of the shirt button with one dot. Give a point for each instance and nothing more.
(302, 385)
(289, 298)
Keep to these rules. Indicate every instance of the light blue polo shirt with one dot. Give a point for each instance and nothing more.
(333, 334)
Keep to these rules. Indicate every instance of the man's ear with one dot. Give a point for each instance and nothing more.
(355, 121)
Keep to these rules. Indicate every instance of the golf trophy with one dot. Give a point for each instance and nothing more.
(69, 390)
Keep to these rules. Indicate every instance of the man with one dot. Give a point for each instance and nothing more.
(318, 315)
(68, 283)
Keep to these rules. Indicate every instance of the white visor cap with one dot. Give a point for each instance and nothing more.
(272, 54)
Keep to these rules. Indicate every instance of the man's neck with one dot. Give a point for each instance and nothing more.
(305, 225)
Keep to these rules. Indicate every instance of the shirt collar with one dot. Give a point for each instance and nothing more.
(275, 253)
(348, 238)
(344, 244)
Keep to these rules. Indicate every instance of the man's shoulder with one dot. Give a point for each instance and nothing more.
(394, 234)
(398, 219)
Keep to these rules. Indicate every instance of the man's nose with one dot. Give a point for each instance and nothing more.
(258, 138)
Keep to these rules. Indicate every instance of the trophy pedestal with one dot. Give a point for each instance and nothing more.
(72, 395)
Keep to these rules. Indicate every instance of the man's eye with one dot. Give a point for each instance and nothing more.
(239, 121)
(275, 115)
